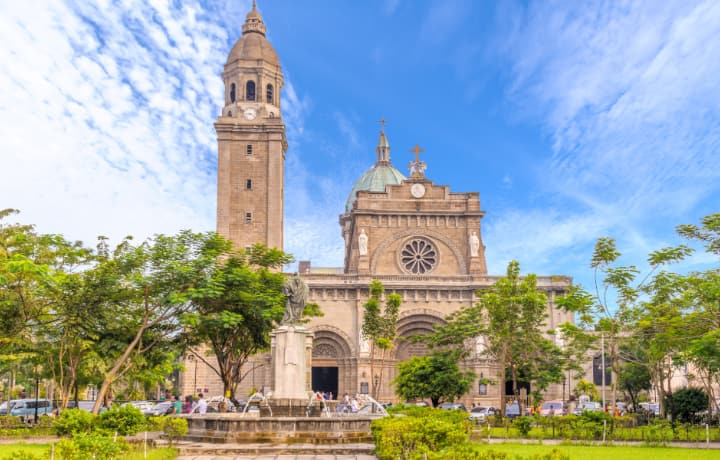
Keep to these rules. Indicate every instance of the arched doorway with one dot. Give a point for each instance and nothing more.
(411, 323)
(332, 358)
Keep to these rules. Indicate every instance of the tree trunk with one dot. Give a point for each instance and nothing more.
(380, 380)
(501, 375)
(372, 367)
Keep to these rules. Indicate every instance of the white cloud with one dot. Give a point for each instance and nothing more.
(105, 116)
(629, 95)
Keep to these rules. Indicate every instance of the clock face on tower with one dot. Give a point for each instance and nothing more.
(417, 190)
(250, 113)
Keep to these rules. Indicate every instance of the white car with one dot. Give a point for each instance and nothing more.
(481, 413)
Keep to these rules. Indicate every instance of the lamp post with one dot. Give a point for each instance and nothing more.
(564, 382)
(37, 391)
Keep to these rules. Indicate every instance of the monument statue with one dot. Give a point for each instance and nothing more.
(474, 244)
(296, 294)
(363, 242)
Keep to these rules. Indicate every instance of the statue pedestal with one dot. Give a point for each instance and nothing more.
(291, 349)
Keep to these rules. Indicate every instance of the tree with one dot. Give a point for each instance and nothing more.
(616, 302)
(39, 275)
(436, 376)
(380, 328)
(510, 315)
(143, 290)
(236, 308)
(633, 379)
(685, 404)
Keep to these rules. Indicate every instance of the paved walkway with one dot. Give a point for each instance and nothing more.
(277, 457)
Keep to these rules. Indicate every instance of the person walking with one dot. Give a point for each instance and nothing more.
(177, 404)
(201, 404)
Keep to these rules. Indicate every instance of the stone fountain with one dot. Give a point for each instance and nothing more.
(291, 413)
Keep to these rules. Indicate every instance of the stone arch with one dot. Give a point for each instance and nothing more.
(333, 348)
(428, 233)
(410, 323)
(331, 336)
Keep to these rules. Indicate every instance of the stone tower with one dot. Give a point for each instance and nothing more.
(251, 141)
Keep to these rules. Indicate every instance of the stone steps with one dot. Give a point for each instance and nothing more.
(191, 449)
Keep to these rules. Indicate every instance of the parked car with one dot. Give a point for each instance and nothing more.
(87, 406)
(31, 406)
(587, 406)
(453, 406)
(481, 413)
(144, 406)
(550, 408)
(4, 406)
(161, 408)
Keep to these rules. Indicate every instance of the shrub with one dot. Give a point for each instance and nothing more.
(21, 455)
(686, 403)
(658, 432)
(125, 420)
(523, 425)
(408, 437)
(10, 421)
(173, 427)
(83, 446)
(74, 421)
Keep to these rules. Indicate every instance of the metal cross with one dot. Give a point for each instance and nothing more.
(382, 123)
(417, 151)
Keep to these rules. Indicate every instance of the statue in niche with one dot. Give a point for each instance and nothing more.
(363, 243)
(296, 294)
(474, 244)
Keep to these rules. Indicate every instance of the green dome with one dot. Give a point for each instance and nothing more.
(375, 180)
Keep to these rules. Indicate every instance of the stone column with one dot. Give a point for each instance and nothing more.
(290, 361)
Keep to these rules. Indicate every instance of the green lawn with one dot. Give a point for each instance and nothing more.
(44, 449)
(610, 453)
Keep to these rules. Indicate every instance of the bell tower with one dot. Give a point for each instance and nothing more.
(251, 141)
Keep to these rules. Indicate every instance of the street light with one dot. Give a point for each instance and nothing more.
(564, 382)
(37, 390)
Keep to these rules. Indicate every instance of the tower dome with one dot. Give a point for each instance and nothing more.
(376, 178)
(253, 45)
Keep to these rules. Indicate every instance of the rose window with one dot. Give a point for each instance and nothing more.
(418, 256)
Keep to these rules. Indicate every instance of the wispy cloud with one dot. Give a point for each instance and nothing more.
(628, 93)
(105, 116)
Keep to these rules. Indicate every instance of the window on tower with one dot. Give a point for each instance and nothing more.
(248, 150)
(232, 92)
(250, 90)
(248, 218)
(248, 184)
(270, 94)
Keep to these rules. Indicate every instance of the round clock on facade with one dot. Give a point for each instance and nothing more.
(250, 113)
(417, 190)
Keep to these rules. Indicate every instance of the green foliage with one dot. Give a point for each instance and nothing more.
(380, 327)
(73, 422)
(237, 303)
(411, 437)
(90, 445)
(436, 377)
(173, 427)
(24, 455)
(583, 387)
(523, 424)
(686, 403)
(125, 419)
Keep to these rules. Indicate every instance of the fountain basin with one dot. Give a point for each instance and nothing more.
(244, 428)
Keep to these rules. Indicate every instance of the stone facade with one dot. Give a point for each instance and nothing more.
(419, 239)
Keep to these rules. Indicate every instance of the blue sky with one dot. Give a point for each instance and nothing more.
(573, 120)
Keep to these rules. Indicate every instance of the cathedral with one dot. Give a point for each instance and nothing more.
(420, 239)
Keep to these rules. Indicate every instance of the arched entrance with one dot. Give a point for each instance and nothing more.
(332, 358)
